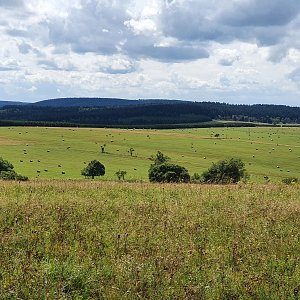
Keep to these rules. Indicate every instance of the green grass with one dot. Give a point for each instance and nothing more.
(101, 240)
(196, 149)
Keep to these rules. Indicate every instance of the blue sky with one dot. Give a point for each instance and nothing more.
(238, 51)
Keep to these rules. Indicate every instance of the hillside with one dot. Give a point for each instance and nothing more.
(97, 102)
(146, 113)
(5, 103)
(89, 102)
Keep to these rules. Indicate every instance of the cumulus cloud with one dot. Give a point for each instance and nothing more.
(95, 26)
(11, 3)
(294, 75)
(261, 21)
(227, 57)
(262, 13)
(119, 65)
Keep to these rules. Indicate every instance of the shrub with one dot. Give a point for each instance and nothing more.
(290, 180)
(196, 178)
(225, 171)
(168, 173)
(7, 171)
(121, 174)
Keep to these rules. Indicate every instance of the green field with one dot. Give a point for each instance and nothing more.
(106, 240)
(272, 152)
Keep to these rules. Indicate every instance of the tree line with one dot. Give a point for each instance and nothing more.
(151, 114)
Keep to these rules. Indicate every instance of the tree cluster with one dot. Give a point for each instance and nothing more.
(223, 172)
(162, 171)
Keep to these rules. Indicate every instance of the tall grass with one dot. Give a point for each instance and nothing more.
(93, 240)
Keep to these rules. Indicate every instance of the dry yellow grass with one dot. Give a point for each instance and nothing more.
(108, 240)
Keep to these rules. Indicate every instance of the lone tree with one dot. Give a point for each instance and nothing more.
(225, 171)
(7, 171)
(162, 171)
(131, 150)
(94, 168)
(121, 174)
(103, 148)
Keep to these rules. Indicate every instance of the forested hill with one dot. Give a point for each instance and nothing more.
(97, 102)
(154, 113)
(4, 103)
(90, 102)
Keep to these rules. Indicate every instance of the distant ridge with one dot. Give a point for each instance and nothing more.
(121, 112)
(4, 103)
(99, 102)
(90, 102)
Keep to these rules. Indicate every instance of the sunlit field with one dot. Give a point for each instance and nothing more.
(63, 152)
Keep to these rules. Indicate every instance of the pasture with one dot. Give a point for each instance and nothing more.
(61, 153)
(107, 240)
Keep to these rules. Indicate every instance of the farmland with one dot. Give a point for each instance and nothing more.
(61, 153)
(65, 237)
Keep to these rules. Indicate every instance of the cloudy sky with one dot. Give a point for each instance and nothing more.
(236, 51)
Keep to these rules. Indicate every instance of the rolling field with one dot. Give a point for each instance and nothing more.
(56, 153)
(107, 240)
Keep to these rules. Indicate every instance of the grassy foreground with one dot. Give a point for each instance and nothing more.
(97, 240)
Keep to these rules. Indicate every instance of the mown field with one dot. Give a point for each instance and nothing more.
(105, 240)
(63, 152)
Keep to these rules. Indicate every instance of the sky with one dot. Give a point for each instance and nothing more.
(235, 51)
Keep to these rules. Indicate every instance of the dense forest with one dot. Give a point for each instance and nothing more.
(150, 113)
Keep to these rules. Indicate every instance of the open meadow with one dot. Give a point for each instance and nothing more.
(105, 240)
(61, 153)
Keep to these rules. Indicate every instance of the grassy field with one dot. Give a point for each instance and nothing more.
(105, 240)
(272, 152)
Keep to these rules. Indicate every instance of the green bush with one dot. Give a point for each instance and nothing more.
(290, 180)
(163, 171)
(7, 171)
(225, 171)
(196, 178)
(168, 173)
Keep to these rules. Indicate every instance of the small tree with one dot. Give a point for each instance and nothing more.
(7, 171)
(131, 150)
(103, 148)
(225, 171)
(121, 174)
(94, 168)
(160, 158)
